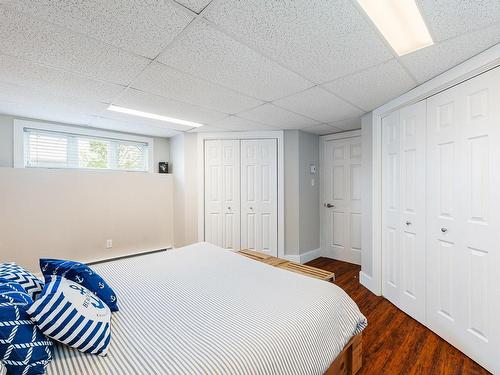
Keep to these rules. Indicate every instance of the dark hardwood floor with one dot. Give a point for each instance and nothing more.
(393, 342)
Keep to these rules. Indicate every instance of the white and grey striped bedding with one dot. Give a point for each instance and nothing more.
(205, 310)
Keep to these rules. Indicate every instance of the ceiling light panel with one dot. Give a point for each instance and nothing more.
(152, 116)
(400, 22)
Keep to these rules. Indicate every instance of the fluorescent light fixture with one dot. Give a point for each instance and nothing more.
(153, 116)
(400, 22)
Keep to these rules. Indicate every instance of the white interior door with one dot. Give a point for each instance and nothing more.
(222, 193)
(259, 188)
(341, 217)
(403, 202)
(463, 225)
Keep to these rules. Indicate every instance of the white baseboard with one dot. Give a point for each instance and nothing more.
(368, 282)
(304, 258)
(310, 255)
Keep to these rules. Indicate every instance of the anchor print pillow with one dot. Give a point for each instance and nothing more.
(81, 274)
(71, 314)
(24, 350)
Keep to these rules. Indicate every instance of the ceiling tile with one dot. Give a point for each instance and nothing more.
(374, 86)
(322, 129)
(162, 80)
(235, 123)
(449, 18)
(55, 82)
(431, 61)
(209, 54)
(349, 124)
(142, 101)
(47, 44)
(319, 104)
(271, 115)
(195, 5)
(207, 129)
(137, 127)
(320, 39)
(141, 26)
(27, 102)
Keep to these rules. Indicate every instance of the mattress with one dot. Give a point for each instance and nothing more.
(202, 309)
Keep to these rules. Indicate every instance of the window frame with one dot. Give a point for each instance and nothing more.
(19, 145)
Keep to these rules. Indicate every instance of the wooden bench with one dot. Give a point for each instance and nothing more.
(308, 271)
(290, 266)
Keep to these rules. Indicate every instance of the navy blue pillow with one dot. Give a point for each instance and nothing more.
(82, 274)
(23, 348)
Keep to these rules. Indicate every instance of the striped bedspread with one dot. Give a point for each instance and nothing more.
(205, 310)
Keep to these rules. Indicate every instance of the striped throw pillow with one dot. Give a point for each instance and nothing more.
(31, 284)
(69, 313)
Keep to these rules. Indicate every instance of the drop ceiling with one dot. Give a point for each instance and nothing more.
(315, 65)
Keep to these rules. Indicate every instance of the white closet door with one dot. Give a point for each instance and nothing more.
(222, 193)
(259, 187)
(342, 199)
(463, 225)
(391, 206)
(404, 209)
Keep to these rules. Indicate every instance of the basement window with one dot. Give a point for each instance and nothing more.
(39, 145)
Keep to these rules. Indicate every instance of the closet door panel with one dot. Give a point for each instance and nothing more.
(213, 192)
(403, 215)
(412, 122)
(222, 193)
(231, 194)
(391, 216)
(259, 195)
(463, 217)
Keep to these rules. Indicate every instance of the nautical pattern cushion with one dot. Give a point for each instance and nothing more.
(23, 348)
(32, 284)
(81, 274)
(69, 313)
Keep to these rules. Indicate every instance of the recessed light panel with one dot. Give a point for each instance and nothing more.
(400, 22)
(153, 116)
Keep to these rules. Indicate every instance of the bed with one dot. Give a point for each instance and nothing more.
(205, 310)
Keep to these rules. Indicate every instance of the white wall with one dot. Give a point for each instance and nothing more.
(302, 215)
(309, 195)
(366, 196)
(161, 146)
(183, 156)
(292, 192)
(69, 214)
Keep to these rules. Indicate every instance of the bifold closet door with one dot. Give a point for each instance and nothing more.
(259, 190)
(463, 222)
(222, 193)
(403, 217)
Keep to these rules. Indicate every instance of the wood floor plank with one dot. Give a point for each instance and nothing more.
(393, 342)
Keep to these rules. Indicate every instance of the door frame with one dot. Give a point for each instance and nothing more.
(481, 63)
(322, 142)
(272, 134)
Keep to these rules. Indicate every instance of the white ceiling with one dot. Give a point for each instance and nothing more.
(315, 65)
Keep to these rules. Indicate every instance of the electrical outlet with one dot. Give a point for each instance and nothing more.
(109, 244)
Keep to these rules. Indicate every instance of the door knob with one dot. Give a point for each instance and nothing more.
(329, 205)
(408, 222)
(229, 208)
(444, 230)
